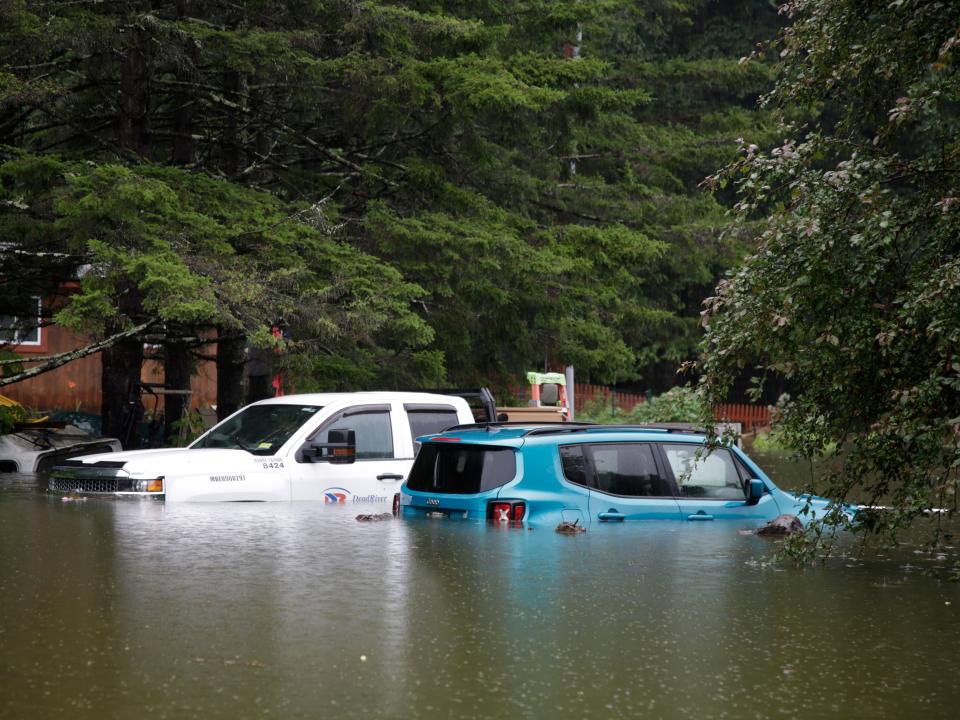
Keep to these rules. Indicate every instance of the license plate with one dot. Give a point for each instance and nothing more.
(451, 514)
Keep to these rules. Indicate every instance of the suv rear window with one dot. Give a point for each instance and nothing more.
(461, 469)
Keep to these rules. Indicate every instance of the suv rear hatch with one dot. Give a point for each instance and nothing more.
(458, 477)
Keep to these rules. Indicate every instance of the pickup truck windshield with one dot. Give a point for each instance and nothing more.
(258, 429)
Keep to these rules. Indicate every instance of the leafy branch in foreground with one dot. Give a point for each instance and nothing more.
(853, 289)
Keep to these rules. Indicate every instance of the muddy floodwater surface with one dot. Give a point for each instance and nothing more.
(144, 610)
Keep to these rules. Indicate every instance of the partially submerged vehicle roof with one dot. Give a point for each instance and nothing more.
(516, 434)
(324, 399)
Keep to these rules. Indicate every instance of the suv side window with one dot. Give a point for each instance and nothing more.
(711, 476)
(575, 466)
(372, 427)
(628, 469)
(745, 472)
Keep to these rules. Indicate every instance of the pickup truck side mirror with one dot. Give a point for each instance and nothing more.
(755, 490)
(339, 449)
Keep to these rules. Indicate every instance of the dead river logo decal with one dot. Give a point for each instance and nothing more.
(335, 496)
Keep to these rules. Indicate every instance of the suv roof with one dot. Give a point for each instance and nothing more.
(518, 433)
(526, 429)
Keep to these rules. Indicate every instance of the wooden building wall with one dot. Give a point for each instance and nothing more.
(76, 385)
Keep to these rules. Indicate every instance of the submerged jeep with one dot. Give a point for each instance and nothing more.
(584, 474)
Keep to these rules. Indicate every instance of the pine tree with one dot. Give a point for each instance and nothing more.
(422, 191)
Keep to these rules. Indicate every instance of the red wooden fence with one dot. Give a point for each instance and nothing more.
(749, 416)
(585, 394)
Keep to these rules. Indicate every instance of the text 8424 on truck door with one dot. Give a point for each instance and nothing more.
(334, 448)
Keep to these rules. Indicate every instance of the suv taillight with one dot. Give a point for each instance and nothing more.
(396, 504)
(506, 511)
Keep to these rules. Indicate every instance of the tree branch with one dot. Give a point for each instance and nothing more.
(18, 252)
(52, 362)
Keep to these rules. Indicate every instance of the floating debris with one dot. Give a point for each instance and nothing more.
(781, 525)
(374, 518)
(73, 496)
(571, 528)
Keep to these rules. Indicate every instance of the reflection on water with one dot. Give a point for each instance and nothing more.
(139, 609)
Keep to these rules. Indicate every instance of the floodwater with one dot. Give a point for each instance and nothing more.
(130, 609)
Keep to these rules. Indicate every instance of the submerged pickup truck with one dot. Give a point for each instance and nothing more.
(339, 448)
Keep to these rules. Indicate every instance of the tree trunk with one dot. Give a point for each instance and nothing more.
(135, 94)
(176, 373)
(183, 145)
(122, 363)
(230, 364)
(235, 87)
(120, 408)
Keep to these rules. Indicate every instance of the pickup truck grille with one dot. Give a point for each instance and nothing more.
(85, 485)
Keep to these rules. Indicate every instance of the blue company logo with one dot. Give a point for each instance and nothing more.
(335, 496)
(342, 496)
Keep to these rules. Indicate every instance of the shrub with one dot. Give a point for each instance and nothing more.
(679, 404)
(11, 413)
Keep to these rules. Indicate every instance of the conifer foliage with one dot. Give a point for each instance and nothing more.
(423, 192)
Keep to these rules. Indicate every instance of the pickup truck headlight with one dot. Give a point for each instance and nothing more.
(151, 485)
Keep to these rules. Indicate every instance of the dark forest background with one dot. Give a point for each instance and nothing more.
(417, 193)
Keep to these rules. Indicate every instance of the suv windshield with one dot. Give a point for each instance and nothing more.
(258, 429)
(461, 469)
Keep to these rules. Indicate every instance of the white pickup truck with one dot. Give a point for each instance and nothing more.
(342, 448)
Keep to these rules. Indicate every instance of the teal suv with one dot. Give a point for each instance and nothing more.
(587, 474)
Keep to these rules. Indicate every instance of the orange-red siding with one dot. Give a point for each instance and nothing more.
(76, 385)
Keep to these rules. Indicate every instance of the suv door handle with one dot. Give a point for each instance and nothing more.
(611, 516)
(389, 476)
(701, 515)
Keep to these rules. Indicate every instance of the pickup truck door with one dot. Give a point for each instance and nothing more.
(384, 456)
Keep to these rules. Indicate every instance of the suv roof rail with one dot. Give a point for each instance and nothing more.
(532, 424)
(654, 427)
(548, 428)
